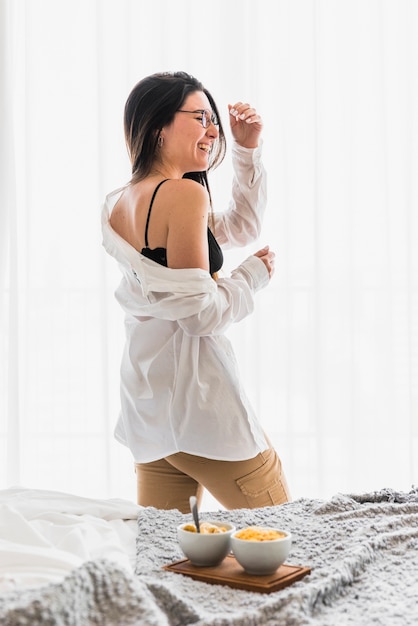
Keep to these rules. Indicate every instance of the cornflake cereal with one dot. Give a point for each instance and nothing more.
(257, 533)
(205, 528)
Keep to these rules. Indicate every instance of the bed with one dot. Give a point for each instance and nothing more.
(72, 561)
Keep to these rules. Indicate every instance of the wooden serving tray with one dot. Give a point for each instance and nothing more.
(230, 573)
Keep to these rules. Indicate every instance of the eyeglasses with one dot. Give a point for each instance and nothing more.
(206, 117)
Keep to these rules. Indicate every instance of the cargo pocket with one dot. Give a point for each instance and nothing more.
(265, 485)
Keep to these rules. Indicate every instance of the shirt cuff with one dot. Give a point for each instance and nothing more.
(248, 155)
(255, 272)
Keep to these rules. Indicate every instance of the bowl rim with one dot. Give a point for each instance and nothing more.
(232, 528)
(287, 533)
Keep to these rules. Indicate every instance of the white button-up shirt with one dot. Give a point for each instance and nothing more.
(180, 386)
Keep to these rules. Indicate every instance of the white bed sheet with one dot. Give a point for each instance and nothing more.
(46, 534)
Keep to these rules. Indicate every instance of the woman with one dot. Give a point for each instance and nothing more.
(184, 414)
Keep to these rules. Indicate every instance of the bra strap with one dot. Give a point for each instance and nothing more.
(150, 207)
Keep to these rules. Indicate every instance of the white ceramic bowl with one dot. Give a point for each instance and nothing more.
(206, 549)
(261, 557)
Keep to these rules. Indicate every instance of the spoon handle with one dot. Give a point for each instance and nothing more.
(193, 508)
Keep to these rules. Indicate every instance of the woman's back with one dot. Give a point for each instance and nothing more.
(165, 216)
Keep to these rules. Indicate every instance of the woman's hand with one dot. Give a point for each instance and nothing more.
(246, 124)
(267, 256)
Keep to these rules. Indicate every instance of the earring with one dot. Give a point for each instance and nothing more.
(160, 141)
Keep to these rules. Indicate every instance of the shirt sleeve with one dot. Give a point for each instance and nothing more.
(241, 223)
(232, 301)
(191, 298)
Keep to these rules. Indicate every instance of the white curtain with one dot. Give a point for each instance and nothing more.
(330, 357)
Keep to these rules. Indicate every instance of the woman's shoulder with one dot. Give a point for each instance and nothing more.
(186, 186)
(186, 196)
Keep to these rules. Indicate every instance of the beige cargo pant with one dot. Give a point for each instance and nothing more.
(168, 483)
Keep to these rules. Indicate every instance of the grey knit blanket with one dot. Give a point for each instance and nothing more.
(362, 550)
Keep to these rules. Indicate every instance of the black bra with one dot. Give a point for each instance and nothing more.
(159, 255)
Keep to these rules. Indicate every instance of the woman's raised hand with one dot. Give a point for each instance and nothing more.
(246, 124)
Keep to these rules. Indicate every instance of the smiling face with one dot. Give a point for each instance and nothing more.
(186, 143)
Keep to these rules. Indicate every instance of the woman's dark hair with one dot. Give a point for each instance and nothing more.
(151, 105)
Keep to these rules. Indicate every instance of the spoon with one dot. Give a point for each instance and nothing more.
(193, 508)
